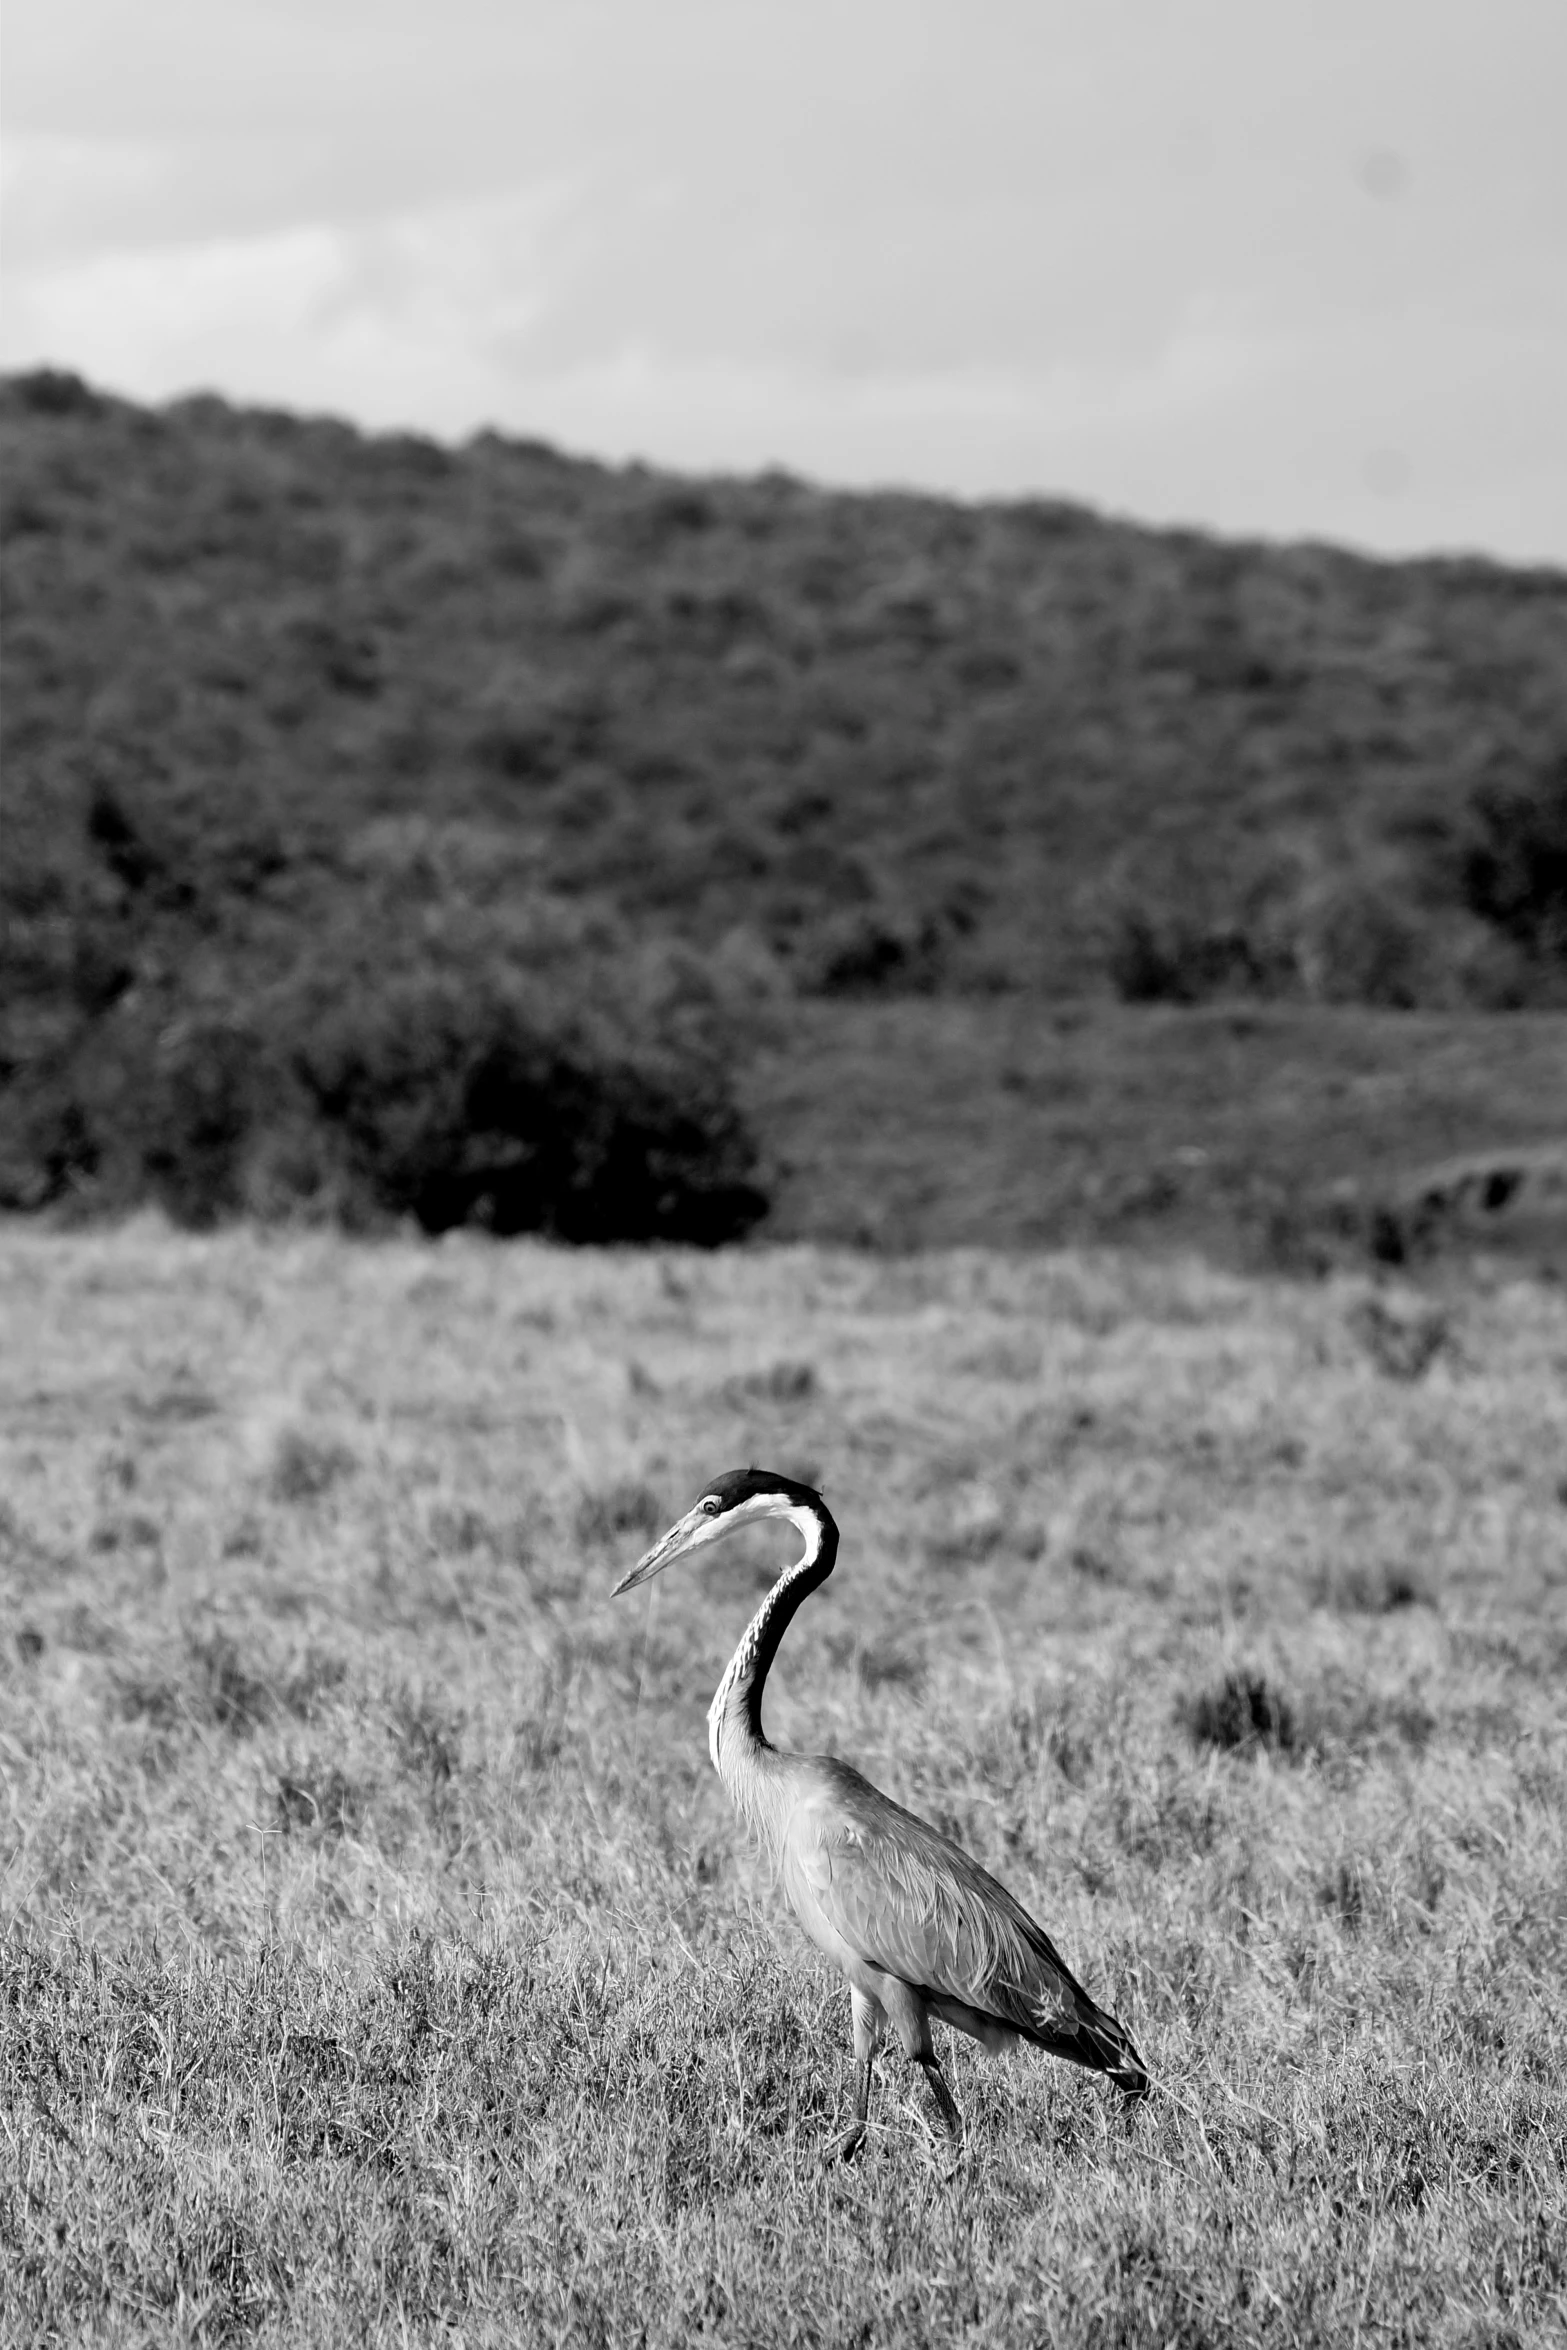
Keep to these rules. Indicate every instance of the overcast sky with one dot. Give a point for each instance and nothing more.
(1289, 266)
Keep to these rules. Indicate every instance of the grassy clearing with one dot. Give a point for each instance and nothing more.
(381, 1959)
(1260, 1134)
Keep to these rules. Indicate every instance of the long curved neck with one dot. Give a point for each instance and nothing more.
(738, 1743)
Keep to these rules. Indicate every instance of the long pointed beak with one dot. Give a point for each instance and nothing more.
(681, 1537)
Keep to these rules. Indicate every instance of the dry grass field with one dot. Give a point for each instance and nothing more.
(380, 1962)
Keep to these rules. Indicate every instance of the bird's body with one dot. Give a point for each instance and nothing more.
(917, 1928)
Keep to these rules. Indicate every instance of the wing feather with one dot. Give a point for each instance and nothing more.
(908, 1900)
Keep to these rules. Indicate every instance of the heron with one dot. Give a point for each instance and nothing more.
(918, 1929)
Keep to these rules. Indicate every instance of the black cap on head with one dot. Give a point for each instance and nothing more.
(737, 1485)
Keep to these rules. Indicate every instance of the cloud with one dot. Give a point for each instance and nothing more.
(1282, 273)
(401, 321)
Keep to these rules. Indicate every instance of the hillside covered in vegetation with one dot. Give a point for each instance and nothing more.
(398, 829)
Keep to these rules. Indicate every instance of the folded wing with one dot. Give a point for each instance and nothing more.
(908, 1900)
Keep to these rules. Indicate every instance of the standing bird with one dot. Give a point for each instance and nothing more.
(918, 1929)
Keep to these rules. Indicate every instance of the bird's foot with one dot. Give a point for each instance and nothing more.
(946, 2110)
(846, 2147)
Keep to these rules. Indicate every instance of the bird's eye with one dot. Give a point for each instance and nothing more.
(712, 1505)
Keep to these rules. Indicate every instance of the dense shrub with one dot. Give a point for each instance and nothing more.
(1178, 932)
(457, 1104)
(54, 391)
(142, 1108)
(189, 1112)
(453, 1051)
(1515, 865)
(1159, 954)
(1282, 927)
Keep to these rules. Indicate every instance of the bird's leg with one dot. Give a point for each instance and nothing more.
(936, 2083)
(853, 2137)
(910, 2018)
(867, 2031)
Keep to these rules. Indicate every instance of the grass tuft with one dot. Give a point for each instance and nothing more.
(1241, 1714)
(1374, 1587)
(1402, 1340)
(782, 1383)
(882, 1666)
(428, 1737)
(625, 1507)
(304, 1467)
(457, 1529)
(318, 1798)
(232, 1696)
(126, 1530)
(215, 1686)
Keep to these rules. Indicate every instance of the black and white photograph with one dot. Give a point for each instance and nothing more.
(783, 1175)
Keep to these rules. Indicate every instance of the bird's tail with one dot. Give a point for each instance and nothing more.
(1070, 2024)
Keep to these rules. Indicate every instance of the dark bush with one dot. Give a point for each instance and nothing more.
(883, 944)
(1515, 863)
(54, 391)
(206, 1092)
(152, 1103)
(457, 1104)
(453, 1049)
(1158, 955)
(1178, 930)
(1285, 928)
(1357, 944)
(48, 1147)
(866, 951)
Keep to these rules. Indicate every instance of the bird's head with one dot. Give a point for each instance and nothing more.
(738, 1498)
